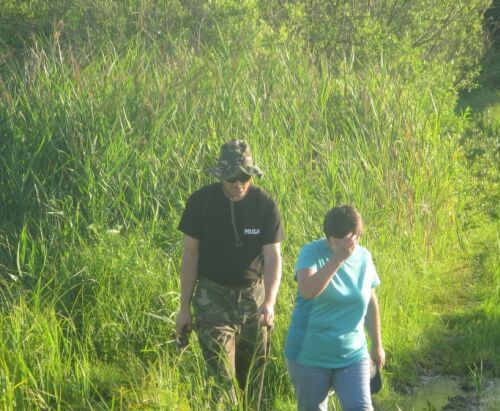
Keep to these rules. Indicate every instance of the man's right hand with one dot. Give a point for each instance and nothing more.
(183, 322)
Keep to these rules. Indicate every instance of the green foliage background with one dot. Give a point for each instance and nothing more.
(110, 113)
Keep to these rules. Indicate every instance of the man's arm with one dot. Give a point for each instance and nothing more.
(372, 324)
(272, 278)
(189, 274)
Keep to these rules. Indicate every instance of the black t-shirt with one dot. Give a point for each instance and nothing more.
(207, 217)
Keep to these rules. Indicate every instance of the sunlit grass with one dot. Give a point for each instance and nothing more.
(100, 155)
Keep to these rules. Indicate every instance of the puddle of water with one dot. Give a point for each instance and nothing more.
(438, 390)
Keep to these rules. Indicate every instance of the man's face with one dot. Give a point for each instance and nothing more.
(236, 188)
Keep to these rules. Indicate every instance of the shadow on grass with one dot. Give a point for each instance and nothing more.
(468, 338)
(488, 92)
(454, 346)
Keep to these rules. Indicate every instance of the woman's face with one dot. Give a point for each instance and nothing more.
(348, 243)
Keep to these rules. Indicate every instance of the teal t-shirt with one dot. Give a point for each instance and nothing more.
(328, 330)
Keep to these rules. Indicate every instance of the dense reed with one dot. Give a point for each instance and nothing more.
(99, 151)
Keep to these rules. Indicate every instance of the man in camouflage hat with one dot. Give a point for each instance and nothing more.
(231, 271)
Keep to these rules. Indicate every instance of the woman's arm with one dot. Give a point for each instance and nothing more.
(372, 324)
(312, 283)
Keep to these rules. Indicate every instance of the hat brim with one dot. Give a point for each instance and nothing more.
(225, 173)
(376, 382)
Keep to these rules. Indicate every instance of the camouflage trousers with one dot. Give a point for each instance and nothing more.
(233, 343)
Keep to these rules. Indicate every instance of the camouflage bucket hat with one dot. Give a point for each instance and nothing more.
(235, 158)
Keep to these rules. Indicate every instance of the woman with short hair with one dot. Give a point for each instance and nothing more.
(326, 347)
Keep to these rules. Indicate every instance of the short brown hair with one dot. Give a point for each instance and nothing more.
(342, 220)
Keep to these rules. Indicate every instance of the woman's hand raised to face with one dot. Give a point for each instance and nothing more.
(343, 247)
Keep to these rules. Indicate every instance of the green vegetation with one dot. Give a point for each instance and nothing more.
(110, 113)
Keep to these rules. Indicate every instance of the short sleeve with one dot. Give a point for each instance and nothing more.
(273, 227)
(306, 259)
(371, 272)
(191, 219)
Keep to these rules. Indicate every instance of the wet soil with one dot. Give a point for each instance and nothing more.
(438, 392)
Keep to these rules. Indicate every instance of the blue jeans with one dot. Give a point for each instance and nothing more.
(312, 384)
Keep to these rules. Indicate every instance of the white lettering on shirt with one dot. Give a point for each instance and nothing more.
(252, 231)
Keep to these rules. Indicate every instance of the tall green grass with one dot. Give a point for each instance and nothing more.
(99, 154)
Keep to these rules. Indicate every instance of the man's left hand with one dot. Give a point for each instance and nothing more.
(265, 315)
